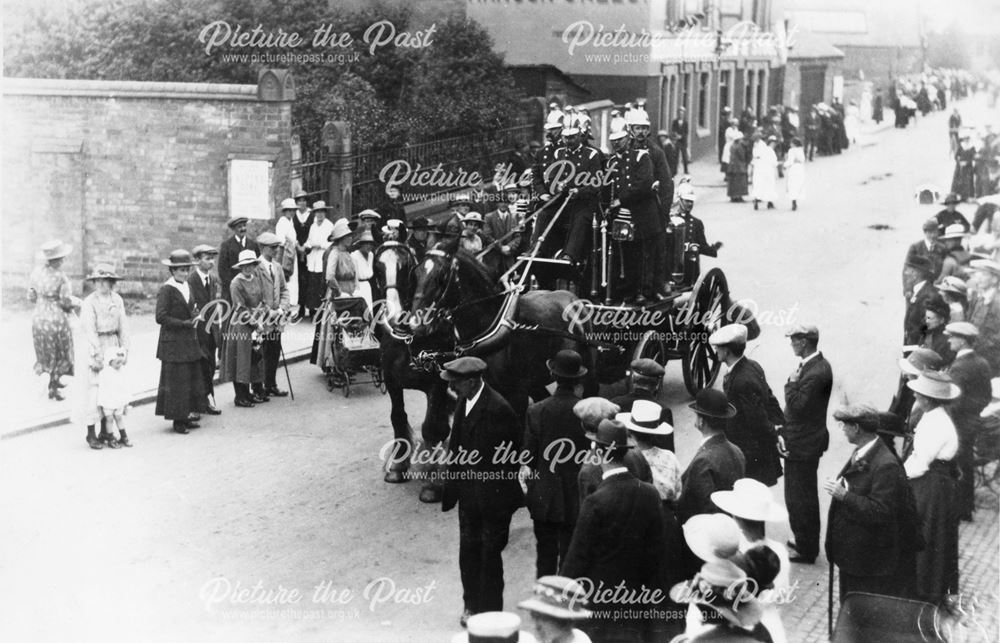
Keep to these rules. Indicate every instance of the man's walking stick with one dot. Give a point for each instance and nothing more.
(829, 603)
(287, 376)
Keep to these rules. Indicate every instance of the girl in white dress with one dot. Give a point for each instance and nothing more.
(795, 170)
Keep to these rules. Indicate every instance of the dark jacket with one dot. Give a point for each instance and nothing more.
(986, 317)
(936, 254)
(590, 474)
(716, 466)
(806, 400)
(618, 537)
(757, 415)
(209, 336)
(229, 253)
(864, 530)
(916, 306)
(178, 341)
(661, 173)
(490, 426)
(553, 430)
(972, 374)
(633, 186)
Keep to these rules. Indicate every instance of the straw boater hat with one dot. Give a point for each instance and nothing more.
(567, 363)
(340, 230)
(559, 597)
(320, 205)
(954, 231)
(750, 500)
(645, 418)
(55, 249)
(920, 360)
(937, 386)
(178, 259)
(472, 216)
(246, 258)
(494, 627)
(268, 239)
(103, 271)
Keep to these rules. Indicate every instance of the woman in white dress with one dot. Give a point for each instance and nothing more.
(765, 173)
(317, 242)
(795, 170)
(285, 230)
(732, 133)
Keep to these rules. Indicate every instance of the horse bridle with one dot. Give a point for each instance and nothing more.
(450, 279)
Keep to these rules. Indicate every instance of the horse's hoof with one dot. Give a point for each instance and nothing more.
(395, 477)
(430, 494)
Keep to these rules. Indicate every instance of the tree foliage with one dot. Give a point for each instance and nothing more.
(396, 95)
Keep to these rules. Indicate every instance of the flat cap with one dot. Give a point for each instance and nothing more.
(729, 334)
(961, 329)
(237, 221)
(803, 330)
(463, 367)
(204, 249)
(268, 239)
(647, 368)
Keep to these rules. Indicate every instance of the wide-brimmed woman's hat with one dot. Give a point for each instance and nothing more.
(320, 205)
(920, 360)
(712, 403)
(751, 500)
(246, 258)
(103, 271)
(937, 386)
(566, 363)
(558, 597)
(953, 285)
(289, 204)
(645, 418)
(475, 217)
(954, 231)
(340, 230)
(178, 259)
(712, 536)
(55, 249)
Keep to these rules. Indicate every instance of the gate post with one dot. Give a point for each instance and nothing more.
(340, 168)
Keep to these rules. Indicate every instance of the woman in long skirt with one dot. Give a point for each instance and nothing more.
(963, 182)
(50, 291)
(181, 392)
(795, 170)
(930, 468)
(765, 173)
(736, 171)
(244, 358)
(316, 244)
(105, 326)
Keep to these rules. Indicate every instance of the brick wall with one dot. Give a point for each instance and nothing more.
(128, 171)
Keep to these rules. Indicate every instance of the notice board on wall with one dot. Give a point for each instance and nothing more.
(249, 189)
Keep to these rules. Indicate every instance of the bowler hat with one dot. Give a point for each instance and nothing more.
(920, 360)
(246, 258)
(462, 368)
(236, 222)
(103, 271)
(645, 418)
(647, 367)
(559, 597)
(612, 433)
(203, 249)
(56, 250)
(567, 363)
(712, 403)
(178, 259)
(935, 385)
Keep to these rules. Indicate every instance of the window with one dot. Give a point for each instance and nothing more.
(724, 81)
(703, 100)
(748, 90)
(686, 91)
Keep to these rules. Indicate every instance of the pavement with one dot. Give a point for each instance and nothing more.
(273, 523)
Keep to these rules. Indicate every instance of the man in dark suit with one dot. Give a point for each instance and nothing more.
(618, 541)
(482, 481)
(277, 301)
(204, 290)
(804, 438)
(229, 253)
(931, 248)
(972, 373)
(553, 438)
(504, 226)
(866, 534)
(646, 379)
(984, 311)
(717, 464)
(758, 413)
(921, 271)
(680, 129)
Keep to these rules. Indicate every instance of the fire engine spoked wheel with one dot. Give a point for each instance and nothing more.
(704, 314)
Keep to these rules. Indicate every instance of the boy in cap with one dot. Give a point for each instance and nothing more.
(758, 414)
(487, 492)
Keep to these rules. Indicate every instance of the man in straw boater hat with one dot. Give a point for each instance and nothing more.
(866, 535)
(921, 272)
(205, 290)
(556, 605)
(984, 310)
(278, 305)
(486, 491)
(754, 427)
(717, 464)
(645, 381)
(972, 373)
(553, 438)
(230, 250)
(618, 542)
(805, 438)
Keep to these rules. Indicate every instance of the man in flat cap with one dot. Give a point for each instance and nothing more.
(646, 378)
(229, 253)
(618, 542)
(921, 271)
(972, 373)
(482, 481)
(205, 290)
(278, 305)
(866, 527)
(804, 438)
(931, 248)
(758, 413)
(984, 310)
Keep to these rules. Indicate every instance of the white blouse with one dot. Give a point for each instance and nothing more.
(318, 241)
(934, 438)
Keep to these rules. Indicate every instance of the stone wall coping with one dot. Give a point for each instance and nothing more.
(127, 89)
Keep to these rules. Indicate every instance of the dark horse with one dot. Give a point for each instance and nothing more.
(514, 333)
(395, 277)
